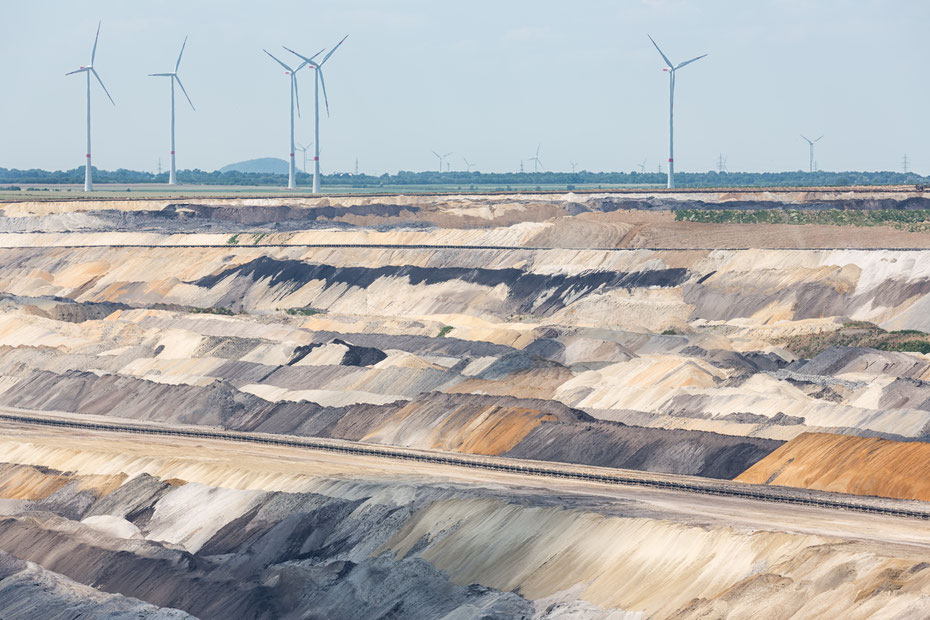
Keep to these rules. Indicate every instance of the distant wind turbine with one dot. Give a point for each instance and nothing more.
(291, 73)
(172, 177)
(441, 159)
(811, 143)
(574, 165)
(303, 149)
(88, 182)
(642, 167)
(318, 81)
(468, 166)
(536, 161)
(671, 107)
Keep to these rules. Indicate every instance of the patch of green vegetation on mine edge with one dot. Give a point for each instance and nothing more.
(858, 334)
(913, 220)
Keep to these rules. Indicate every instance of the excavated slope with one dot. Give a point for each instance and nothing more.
(209, 324)
(365, 545)
(591, 328)
(864, 466)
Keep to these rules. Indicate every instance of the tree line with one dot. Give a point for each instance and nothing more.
(501, 180)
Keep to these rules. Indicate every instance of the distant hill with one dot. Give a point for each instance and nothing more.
(265, 165)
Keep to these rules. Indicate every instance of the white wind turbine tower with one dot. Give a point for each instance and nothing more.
(811, 143)
(441, 159)
(291, 176)
(318, 81)
(88, 182)
(536, 161)
(172, 177)
(574, 165)
(642, 167)
(468, 165)
(671, 107)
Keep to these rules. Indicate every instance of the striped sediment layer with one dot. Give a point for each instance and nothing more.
(476, 424)
(543, 327)
(286, 538)
(673, 339)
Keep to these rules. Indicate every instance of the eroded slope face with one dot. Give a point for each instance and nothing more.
(260, 533)
(668, 339)
(560, 328)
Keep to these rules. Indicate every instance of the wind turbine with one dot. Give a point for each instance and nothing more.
(303, 149)
(671, 107)
(291, 73)
(172, 178)
(574, 165)
(536, 161)
(318, 81)
(811, 143)
(441, 159)
(468, 166)
(642, 167)
(88, 182)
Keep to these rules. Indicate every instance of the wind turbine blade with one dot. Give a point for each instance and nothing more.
(185, 92)
(278, 61)
(93, 53)
(540, 164)
(664, 57)
(330, 53)
(179, 55)
(81, 70)
(688, 62)
(818, 139)
(806, 138)
(161, 74)
(323, 84)
(307, 61)
(296, 92)
(446, 155)
(537, 149)
(94, 71)
(436, 154)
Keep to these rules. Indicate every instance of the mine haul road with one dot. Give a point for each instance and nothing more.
(903, 524)
(888, 520)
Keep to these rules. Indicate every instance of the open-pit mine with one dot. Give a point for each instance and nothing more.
(624, 405)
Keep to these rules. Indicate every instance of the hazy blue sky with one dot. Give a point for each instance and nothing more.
(484, 79)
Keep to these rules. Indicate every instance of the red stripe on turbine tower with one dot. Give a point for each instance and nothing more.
(670, 160)
(87, 155)
(171, 152)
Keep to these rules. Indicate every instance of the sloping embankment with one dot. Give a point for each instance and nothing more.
(844, 464)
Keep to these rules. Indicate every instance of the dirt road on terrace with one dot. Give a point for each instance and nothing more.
(246, 465)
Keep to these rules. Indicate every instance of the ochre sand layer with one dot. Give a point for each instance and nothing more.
(843, 464)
